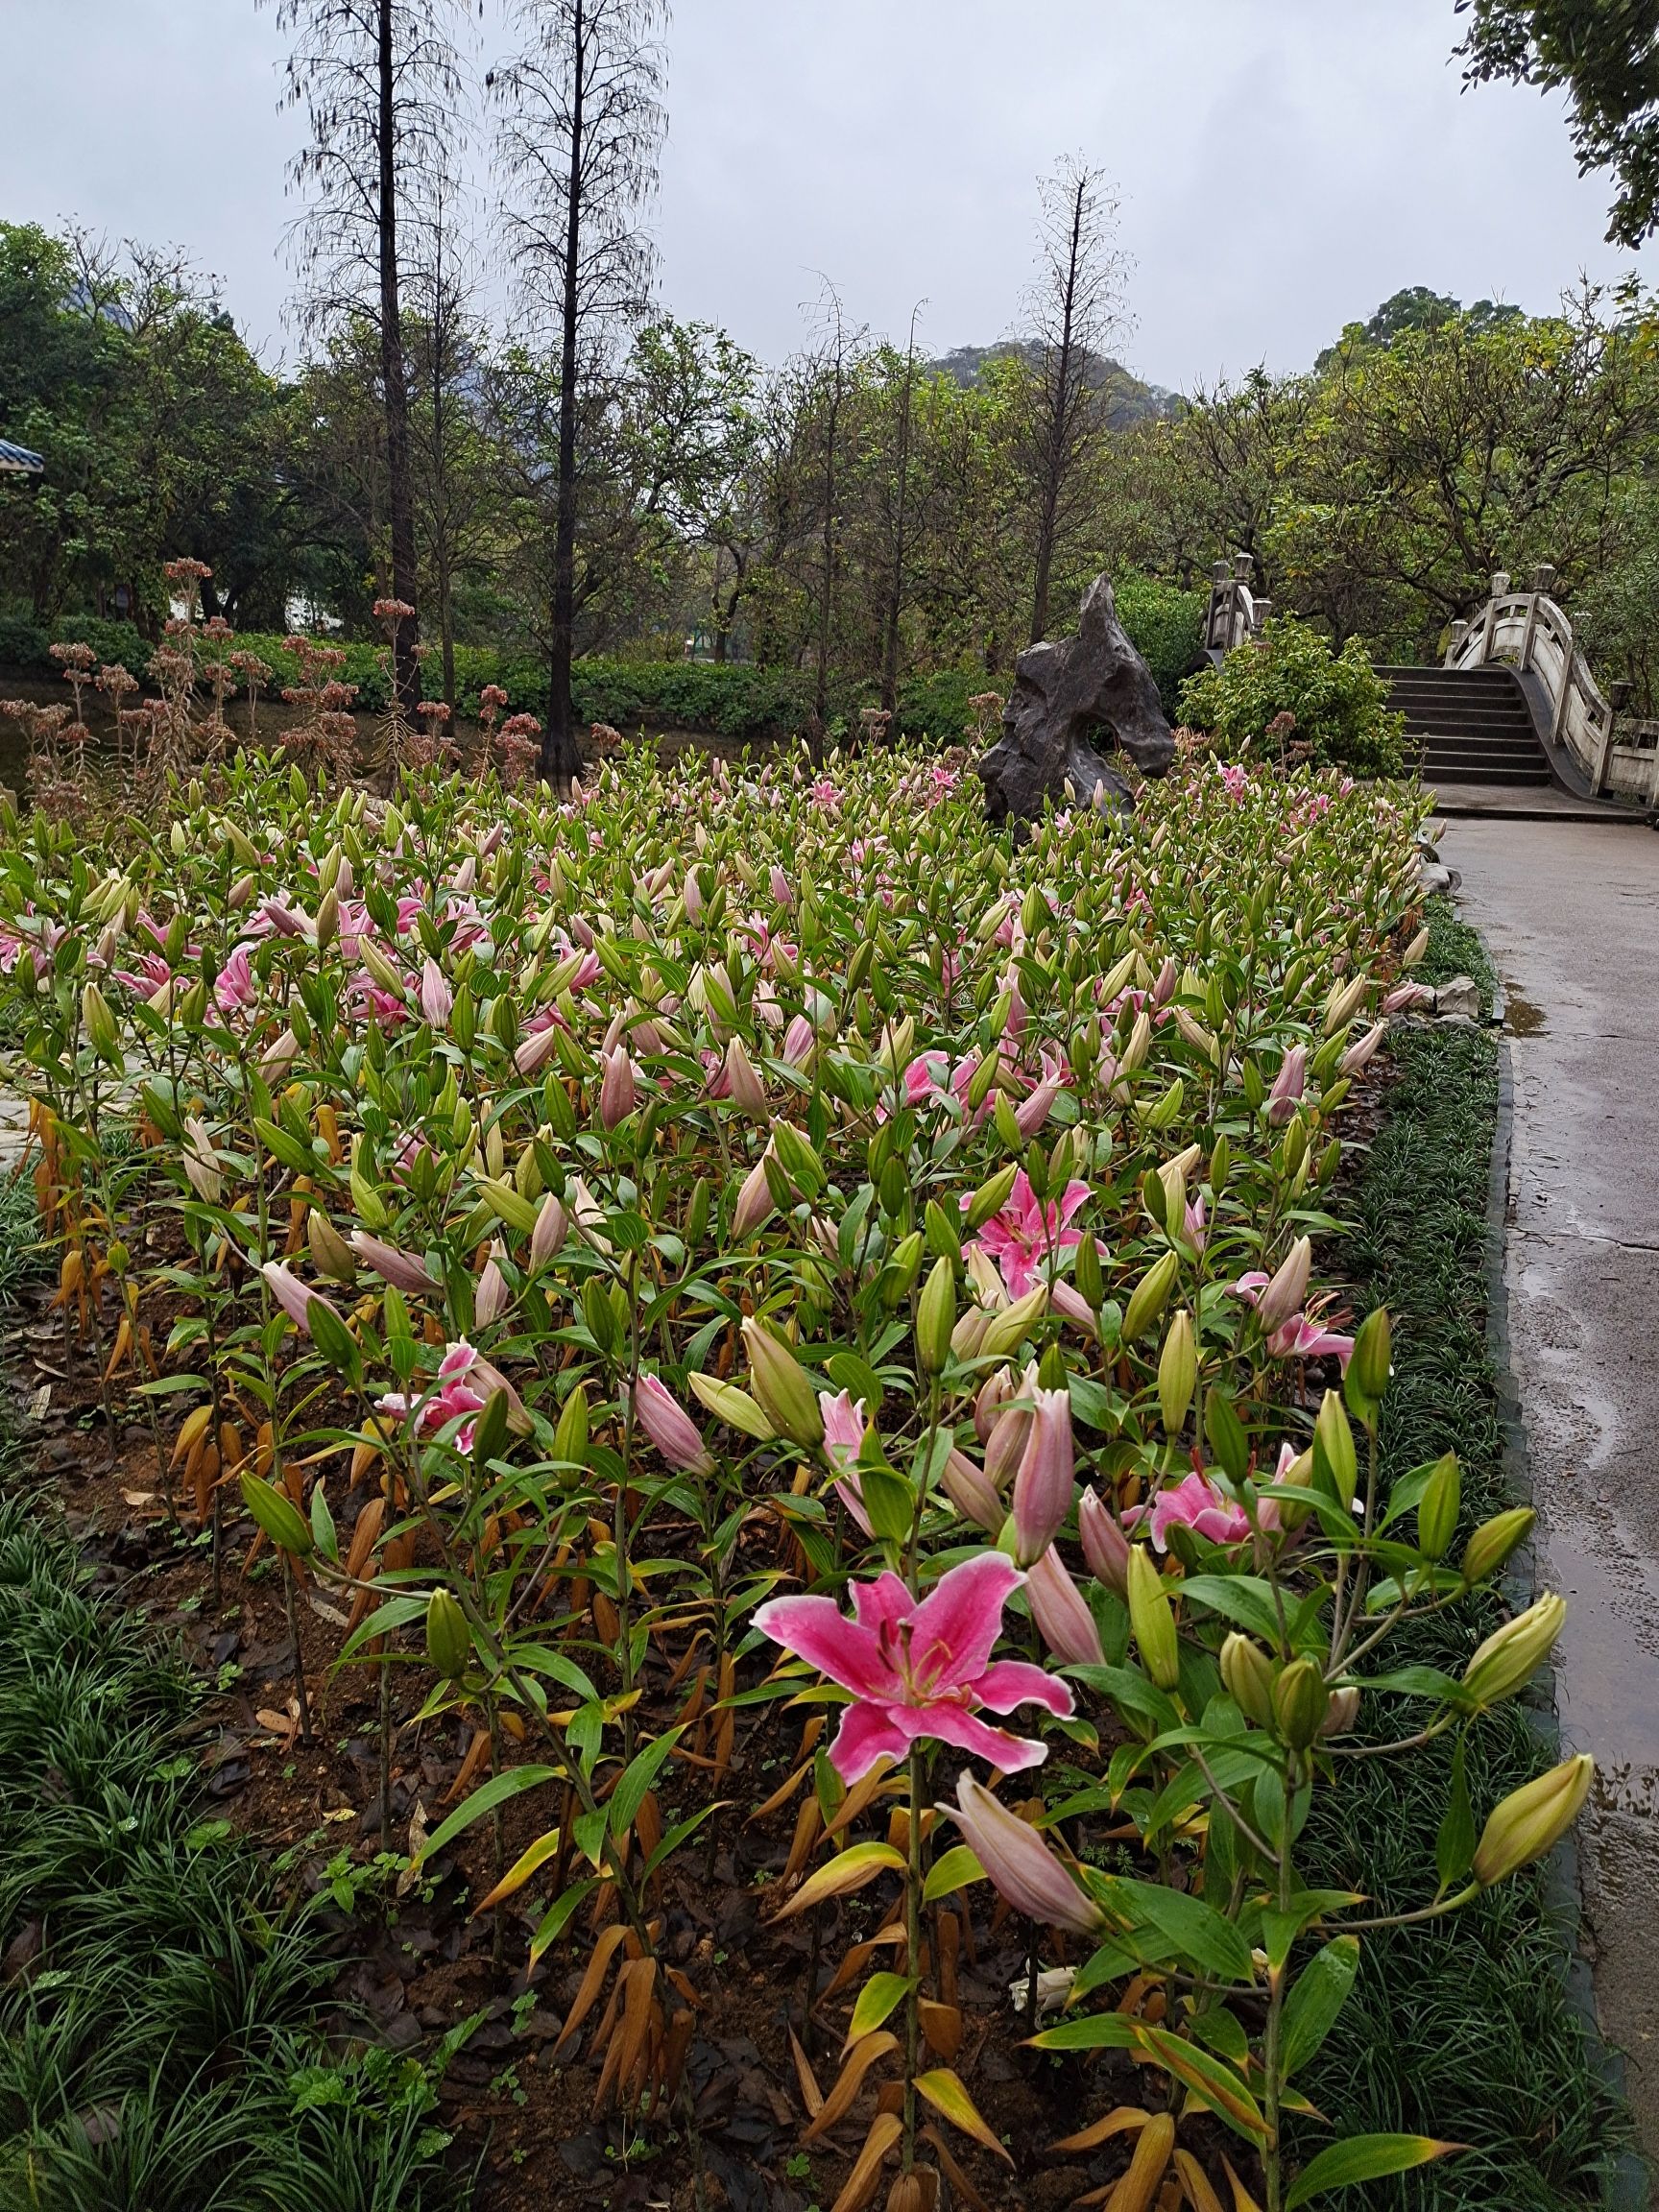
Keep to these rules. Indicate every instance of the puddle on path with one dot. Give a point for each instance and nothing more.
(1520, 1016)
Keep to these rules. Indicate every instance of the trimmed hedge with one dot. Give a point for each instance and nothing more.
(735, 699)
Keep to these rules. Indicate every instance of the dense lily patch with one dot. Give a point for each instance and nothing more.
(752, 1247)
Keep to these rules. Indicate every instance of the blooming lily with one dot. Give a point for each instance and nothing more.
(1025, 1234)
(918, 1669)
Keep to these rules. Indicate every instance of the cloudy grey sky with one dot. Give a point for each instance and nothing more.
(1284, 164)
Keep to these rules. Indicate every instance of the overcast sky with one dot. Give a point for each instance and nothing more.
(1284, 164)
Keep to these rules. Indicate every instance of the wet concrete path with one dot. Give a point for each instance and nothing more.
(1570, 912)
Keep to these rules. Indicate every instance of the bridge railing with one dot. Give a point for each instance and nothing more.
(1235, 615)
(1531, 631)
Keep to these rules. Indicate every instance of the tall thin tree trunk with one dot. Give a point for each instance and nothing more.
(393, 377)
(1060, 403)
(896, 593)
(561, 754)
(820, 687)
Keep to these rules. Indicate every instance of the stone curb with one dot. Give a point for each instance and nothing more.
(1628, 2185)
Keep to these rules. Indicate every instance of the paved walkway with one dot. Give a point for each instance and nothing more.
(1571, 914)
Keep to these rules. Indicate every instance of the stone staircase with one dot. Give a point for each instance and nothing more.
(1467, 724)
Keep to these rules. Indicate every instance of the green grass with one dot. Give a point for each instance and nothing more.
(1462, 2029)
(171, 2045)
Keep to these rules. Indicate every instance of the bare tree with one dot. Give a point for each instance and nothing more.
(900, 523)
(830, 372)
(381, 83)
(580, 127)
(1076, 309)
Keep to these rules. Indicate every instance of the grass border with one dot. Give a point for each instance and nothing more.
(169, 2036)
(1474, 2028)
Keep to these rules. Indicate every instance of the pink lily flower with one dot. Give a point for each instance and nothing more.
(1024, 1234)
(1359, 1053)
(1062, 1615)
(1303, 1336)
(1288, 1084)
(924, 1078)
(843, 1441)
(1195, 1503)
(1034, 1110)
(235, 988)
(670, 1428)
(1405, 997)
(920, 1670)
(1021, 1866)
(799, 1041)
(457, 1396)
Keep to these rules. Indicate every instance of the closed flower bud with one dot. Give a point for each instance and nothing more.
(448, 1638)
(101, 1025)
(1334, 1440)
(744, 1086)
(1177, 1373)
(1438, 1507)
(1105, 1546)
(1342, 1712)
(1287, 1289)
(570, 1438)
(753, 1199)
(1373, 1344)
(1152, 1618)
(1511, 1654)
(1061, 1612)
(994, 1392)
(1005, 1447)
(1493, 1542)
(1047, 1479)
(936, 1318)
(1247, 1674)
(973, 1493)
(328, 919)
(552, 1224)
(781, 1385)
(1007, 1331)
(329, 1250)
(1299, 1701)
(1533, 1819)
(1149, 1296)
(618, 1093)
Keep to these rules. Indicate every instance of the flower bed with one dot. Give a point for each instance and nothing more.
(771, 1312)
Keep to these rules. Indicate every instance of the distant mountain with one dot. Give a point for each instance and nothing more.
(1132, 400)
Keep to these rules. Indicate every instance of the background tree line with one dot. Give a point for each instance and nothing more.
(858, 513)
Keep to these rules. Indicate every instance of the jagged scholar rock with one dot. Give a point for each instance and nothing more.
(1064, 693)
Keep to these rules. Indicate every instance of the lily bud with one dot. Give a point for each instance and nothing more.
(492, 1297)
(1286, 1290)
(1372, 1357)
(785, 1395)
(1149, 1296)
(570, 1438)
(936, 1318)
(552, 1223)
(1105, 1546)
(973, 1493)
(329, 1250)
(1335, 1439)
(747, 1091)
(402, 1269)
(1511, 1654)
(328, 919)
(1152, 1618)
(1005, 1447)
(1360, 1055)
(1437, 1508)
(1047, 1477)
(1062, 1614)
(1021, 1866)
(448, 1638)
(1493, 1542)
(618, 1093)
(669, 1427)
(1007, 1331)
(1177, 1374)
(1299, 1702)
(1288, 1084)
(994, 1392)
(101, 1025)
(1533, 1819)
(1247, 1675)
(1342, 1712)
(753, 1199)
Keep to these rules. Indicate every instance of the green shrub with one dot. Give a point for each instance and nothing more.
(1165, 626)
(1338, 699)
